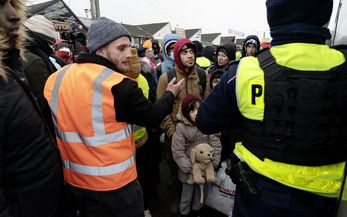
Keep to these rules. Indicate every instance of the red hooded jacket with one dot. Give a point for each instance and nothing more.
(178, 48)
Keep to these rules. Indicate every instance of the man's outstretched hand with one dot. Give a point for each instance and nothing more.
(175, 88)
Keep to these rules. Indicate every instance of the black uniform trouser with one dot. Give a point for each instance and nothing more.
(277, 200)
(126, 201)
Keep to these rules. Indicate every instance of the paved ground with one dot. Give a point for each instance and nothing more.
(160, 205)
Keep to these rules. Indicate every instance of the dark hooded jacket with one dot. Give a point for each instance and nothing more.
(210, 53)
(244, 52)
(230, 49)
(216, 74)
(38, 67)
(30, 168)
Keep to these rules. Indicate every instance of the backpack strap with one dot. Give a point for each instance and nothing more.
(201, 73)
(267, 63)
(202, 80)
(171, 74)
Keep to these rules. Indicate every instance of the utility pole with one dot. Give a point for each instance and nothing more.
(97, 9)
(94, 9)
(336, 22)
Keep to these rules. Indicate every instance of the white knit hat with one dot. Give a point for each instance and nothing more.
(41, 25)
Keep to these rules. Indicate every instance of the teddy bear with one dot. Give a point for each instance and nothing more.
(201, 157)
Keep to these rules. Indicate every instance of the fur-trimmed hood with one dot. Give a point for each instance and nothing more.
(19, 5)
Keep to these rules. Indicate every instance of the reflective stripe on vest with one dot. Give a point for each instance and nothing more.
(101, 155)
(72, 137)
(99, 171)
(323, 180)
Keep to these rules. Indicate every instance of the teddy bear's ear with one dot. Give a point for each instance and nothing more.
(192, 155)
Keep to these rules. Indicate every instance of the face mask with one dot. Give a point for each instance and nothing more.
(172, 55)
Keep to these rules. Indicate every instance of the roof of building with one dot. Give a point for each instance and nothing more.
(191, 32)
(55, 9)
(209, 37)
(136, 31)
(86, 21)
(152, 28)
(33, 9)
(227, 39)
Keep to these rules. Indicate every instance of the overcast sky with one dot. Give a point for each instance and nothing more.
(212, 16)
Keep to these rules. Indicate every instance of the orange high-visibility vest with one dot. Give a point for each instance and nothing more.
(98, 152)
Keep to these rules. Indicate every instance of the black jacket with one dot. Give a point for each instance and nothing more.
(38, 67)
(29, 159)
(254, 37)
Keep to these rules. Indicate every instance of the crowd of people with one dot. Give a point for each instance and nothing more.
(83, 136)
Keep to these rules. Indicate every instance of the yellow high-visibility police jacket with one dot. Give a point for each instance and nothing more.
(235, 101)
(323, 180)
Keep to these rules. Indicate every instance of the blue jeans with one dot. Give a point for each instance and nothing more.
(277, 200)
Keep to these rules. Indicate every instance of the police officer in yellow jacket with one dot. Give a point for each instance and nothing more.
(290, 105)
(94, 105)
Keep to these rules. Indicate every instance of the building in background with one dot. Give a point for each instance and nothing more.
(227, 40)
(66, 22)
(211, 39)
(60, 14)
(193, 34)
(157, 30)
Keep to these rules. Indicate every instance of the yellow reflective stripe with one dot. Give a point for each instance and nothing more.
(323, 180)
(310, 57)
(344, 193)
(99, 171)
(136, 127)
(138, 132)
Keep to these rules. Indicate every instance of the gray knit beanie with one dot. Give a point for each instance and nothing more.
(103, 31)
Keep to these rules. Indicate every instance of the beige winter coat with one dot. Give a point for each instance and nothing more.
(184, 139)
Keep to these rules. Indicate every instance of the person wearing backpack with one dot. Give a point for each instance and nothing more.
(197, 83)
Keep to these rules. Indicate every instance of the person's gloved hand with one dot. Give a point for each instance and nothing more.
(134, 65)
(174, 87)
